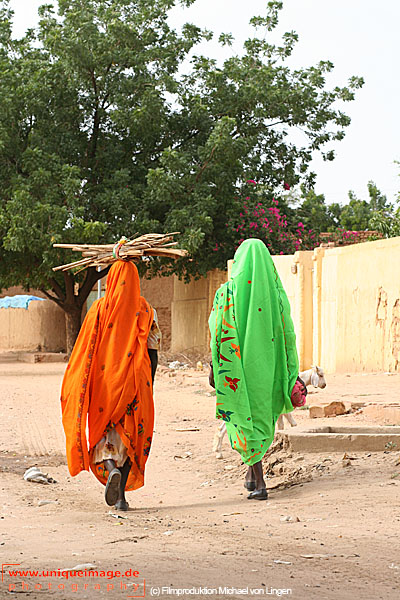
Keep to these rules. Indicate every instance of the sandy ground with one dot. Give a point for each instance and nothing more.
(191, 527)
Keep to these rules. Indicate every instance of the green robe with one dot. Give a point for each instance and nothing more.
(254, 352)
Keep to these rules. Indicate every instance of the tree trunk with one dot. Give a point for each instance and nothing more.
(72, 326)
(72, 303)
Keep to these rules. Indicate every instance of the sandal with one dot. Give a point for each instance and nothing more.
(121, 505)
(258, 495)
(112, 487)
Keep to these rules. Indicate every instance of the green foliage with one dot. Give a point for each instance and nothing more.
(357, 214)
(83, 118)
(295, 222)
(101, 136)
(315, 214)
(387, 221)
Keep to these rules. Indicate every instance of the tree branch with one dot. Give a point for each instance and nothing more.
(92, 275)
(53, 298)
(57, 289)
(189, 137)
(203, 168)
(103, 104)
(96, 118)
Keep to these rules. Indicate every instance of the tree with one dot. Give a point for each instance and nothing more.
(386, 222)
(101, 136)
(237, 120)
(314, 213)
(83, 118)
(356, 215)
(385, 217)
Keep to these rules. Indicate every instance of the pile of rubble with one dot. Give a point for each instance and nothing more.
(283, 468)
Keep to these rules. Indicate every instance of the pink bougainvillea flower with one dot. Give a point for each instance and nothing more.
(251, 181)
(286, 186)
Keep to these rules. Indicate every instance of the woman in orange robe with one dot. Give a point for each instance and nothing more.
(108, 387)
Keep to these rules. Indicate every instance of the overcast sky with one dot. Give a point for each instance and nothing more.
(360, 37)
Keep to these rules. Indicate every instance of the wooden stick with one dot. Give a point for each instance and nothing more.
(152, 244)
(73, 264)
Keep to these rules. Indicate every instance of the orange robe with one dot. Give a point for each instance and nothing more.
(108, 379)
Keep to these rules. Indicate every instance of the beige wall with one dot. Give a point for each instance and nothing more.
(345, 305)
(360, 307)
(295, 272)
(40, 327)
(191, 307)
(159, 292)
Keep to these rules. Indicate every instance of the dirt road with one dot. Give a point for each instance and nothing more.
(191, 526)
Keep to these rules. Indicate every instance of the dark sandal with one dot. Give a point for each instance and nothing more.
(121, 505)
(258, 495)
(112, 487)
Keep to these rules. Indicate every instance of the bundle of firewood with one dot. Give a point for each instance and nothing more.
(151, 244)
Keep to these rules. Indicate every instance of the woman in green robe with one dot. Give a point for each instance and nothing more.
(254, 357)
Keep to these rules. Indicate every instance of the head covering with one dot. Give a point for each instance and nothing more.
(107, 383)
(253, 349)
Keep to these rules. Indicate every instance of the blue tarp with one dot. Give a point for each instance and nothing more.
(20, 301)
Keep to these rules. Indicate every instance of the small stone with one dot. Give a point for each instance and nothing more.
(83, 567)
(290, 519)
(327, 410)
(44, 502)
(316, 412)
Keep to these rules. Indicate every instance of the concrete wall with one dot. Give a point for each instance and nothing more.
(295, 272)
(159, 292)
(345, 305)
(40, 327)
(182, 309)
(191, 307)
(359, 307)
